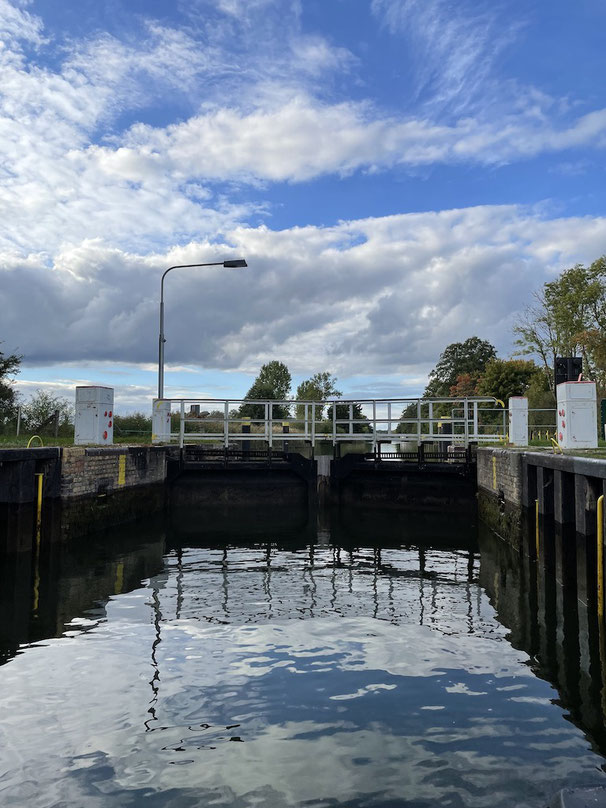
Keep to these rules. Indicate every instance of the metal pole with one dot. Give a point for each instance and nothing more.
(161, 342)
(161, 339)
(374, 425)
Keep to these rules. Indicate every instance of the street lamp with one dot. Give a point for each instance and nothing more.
(234, 264)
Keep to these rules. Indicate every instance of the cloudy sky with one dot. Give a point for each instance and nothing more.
(399, 174)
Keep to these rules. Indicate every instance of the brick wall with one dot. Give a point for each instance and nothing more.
(86, 472)
(501, 470)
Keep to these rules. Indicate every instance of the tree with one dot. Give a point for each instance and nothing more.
(465, 386)
(342, 413)
(9, 364)
(272, 383)
(504, 378)
(458, 358)
(39, 411)
(568, 317)
(136, 422)
(320, 387)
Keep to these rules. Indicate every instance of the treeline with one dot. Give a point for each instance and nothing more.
(567, 318)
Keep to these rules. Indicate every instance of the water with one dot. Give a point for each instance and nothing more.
(226, 672)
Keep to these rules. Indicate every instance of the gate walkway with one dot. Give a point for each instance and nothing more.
(240, 425)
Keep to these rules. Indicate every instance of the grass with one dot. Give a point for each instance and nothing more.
(21, 441)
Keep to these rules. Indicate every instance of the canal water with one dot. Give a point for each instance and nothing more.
(412, 662)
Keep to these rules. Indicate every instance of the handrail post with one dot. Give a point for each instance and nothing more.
(313, 425)
(226, 424)
(334, 423)
(182, 424)
(350, 425)
(374, 426)
(271, 425)
(418, 422)
(466, 419)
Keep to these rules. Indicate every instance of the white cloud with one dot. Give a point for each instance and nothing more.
(454, 47)
(302, 139)
(70, 175)
(374, 296)
(18, 24)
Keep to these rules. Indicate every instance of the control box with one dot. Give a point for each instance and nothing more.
(94, 416)
(577, 417)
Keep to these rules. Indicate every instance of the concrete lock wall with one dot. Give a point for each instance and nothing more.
(514, 485)
(86, 472)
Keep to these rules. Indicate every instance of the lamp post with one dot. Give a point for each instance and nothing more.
(234, 264)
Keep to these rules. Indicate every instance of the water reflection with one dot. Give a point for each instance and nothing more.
(382, 664)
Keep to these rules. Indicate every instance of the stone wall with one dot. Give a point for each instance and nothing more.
(500, 473)
(93, 472)
(500, 476)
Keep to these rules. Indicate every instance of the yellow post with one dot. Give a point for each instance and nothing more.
(600, 561)
(39, 492)
(39, 489)
(600, 565)
(537, 532)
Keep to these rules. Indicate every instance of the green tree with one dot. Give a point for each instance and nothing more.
(9, 364)
(40, 409)
(134, 423)
(568, 318)
(320, 387)
(273, 383)
(458, 358)
(504, 378)
(342, 413)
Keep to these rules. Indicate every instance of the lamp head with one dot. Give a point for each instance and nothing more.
(237, 263)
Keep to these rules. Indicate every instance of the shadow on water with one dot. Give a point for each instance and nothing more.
(540, 605)
(43, 589)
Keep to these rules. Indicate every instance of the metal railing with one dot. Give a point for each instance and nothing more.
(227, 422)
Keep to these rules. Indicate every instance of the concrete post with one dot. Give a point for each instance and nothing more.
(323, 478)
(160, 421)
(518, 421)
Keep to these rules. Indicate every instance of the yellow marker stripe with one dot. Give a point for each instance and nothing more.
(494, 472)
(537, 532)
(601, 557)
(122, 470)
(119, 582)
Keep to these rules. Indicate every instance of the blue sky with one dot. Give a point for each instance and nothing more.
(399, 174)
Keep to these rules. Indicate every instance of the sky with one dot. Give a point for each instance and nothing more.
(398, 174)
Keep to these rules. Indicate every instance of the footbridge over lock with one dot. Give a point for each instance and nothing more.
(239, 423)
(387, 452)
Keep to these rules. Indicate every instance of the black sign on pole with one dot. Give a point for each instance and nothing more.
(567, 369)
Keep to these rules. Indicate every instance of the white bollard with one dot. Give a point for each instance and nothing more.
(518, 421)
(94, 416)
(577, 415)
(160, 421)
